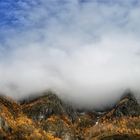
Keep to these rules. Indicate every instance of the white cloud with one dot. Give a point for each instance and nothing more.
(89, 53)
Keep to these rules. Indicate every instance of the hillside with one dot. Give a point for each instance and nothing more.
(48, 118)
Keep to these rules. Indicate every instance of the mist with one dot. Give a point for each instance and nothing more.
(87, 51)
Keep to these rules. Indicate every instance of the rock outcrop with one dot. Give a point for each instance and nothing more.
(120, 123)
(47, 105)
(127, 106)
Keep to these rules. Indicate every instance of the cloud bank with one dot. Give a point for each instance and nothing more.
(87, 51)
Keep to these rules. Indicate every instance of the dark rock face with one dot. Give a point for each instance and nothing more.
(43, 107)
(47, 105)
(128, 106)
(50, 111)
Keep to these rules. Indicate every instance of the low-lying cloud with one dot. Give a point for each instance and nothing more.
(86, 51)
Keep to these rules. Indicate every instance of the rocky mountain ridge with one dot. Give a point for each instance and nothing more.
(48, 118)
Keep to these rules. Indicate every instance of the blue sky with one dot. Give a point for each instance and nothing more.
(71, 46)
(15, 13)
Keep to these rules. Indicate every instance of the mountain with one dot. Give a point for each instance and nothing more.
(122, 122)
(49, 118)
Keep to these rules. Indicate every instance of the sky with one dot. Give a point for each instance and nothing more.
(87, 51)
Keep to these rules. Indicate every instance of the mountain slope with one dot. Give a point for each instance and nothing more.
(48, 118)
